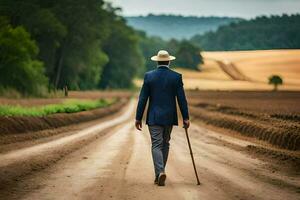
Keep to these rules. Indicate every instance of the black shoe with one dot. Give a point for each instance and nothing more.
(161, 179)
(156, 180)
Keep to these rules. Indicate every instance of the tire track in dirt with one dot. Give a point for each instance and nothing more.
(16, 164)
(215, 143)
(87, 174)
(119, 165)
(238, 175)
(231, 70)
(110, 185)
(139, 176)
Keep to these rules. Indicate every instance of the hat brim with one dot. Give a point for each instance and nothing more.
(156, 58)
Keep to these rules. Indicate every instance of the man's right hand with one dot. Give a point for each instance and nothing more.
(138, 125)
(186, 123)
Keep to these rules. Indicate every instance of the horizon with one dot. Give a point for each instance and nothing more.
(207, 16)
(207, 8)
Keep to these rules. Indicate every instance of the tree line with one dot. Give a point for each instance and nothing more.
(82, 44)
(187, 55)
(274, 32)
(177, 26)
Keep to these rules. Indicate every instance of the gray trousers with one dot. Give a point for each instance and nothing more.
(160, 137)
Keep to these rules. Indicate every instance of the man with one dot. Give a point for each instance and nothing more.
(161, 86)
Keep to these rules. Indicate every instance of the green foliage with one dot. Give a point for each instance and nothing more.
(89, 79)
(275, 80)
(79, 41)
(187, 54)
(87, 25)
(49, 32)
(125, 58)
(150, 46)
(275, 32)
(69, 106)
(19, 67)
(176, 26)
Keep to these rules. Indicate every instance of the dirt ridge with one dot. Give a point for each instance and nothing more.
(16, 125)
(280, 137)
(19, 163)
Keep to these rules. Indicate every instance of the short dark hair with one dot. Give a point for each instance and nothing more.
(163, 62)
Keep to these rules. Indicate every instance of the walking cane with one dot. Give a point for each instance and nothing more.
(191, 152)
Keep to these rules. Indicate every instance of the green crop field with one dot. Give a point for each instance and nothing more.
(69, 106)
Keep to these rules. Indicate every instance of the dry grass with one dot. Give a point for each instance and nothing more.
(257, 65)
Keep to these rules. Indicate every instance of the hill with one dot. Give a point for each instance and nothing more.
(244, 70)
(259, 65)
(261, 33)
(177, 27)
(218, 70)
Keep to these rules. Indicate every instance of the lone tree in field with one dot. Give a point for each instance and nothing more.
(275, 80)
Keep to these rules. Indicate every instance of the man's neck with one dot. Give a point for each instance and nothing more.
(162, 66)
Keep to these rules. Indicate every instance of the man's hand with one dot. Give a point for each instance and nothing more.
(138, 125)
(186, 123)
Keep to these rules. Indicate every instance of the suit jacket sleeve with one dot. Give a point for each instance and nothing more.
(182, 100)
(144, 95)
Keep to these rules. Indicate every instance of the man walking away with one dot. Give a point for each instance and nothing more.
(161, 86)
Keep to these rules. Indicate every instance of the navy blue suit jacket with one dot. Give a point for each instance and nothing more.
(162, 86)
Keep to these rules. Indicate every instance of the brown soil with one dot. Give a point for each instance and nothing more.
(23, 159)
(283, 102)
(15, 125)
(257, 148)
(268, 116)
(72, 95)
(8, 142)
(100, 94)
(116, 163)
(31, 102)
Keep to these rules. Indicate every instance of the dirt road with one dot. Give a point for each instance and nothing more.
(112, 160)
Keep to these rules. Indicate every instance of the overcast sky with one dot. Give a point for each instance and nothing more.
(236, 8)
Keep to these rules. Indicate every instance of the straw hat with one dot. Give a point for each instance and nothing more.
(162, 55)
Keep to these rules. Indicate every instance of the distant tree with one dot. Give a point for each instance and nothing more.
(274, 32)
(188, 56)
(42, 24)
(82, 44)
(19, 67)
(176, 26)
(79, 58)
(149, 46)
(275, 80)
(173, 46)
(79, 41)
(125, 57)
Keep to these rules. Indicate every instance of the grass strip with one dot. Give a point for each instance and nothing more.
(68, 106)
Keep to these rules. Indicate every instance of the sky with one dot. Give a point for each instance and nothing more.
(232, 8)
